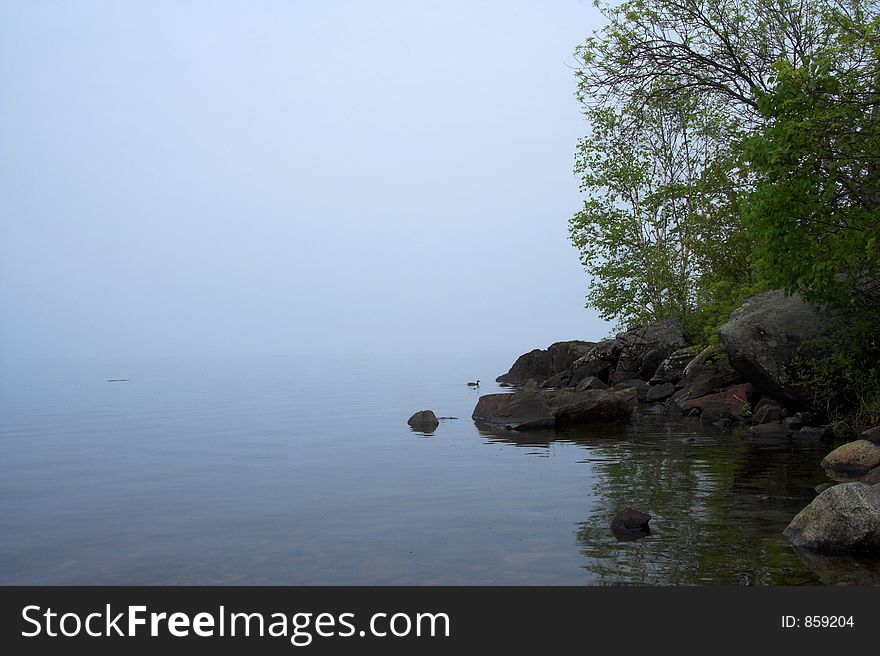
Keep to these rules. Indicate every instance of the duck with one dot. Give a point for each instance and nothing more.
(476, 384)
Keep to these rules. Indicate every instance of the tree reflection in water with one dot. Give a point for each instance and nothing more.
(719, 501)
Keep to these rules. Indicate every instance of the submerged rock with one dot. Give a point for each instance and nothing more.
(814, 434)
(770, 429)
(627, 520)
(857, 457)
(424, 420)
(845, 517)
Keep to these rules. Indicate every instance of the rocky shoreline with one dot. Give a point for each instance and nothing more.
(746, 381)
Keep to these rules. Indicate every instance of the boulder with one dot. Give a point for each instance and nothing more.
(671, 370)
(424, 420)
(762, 338)
(857, 457)
(627, 520)
(769, 409)
(731, 403)
(872, 435)
(525, 411)
(871, 478)
(770, 429)
(518, 411)
(640, 386)
(539, 365)
(644, 348)
(845, 517)
(793, 423)
(559, 380)
(701, 379)
(814, 434)
(594, 406)
(660, 392)
(597, 363)
(591, 382)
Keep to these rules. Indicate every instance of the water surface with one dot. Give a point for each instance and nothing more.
(303, 471)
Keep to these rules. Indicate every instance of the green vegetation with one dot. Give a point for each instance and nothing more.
(734, 146)
(841, 371)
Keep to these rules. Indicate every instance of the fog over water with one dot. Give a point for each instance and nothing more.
(288, 177)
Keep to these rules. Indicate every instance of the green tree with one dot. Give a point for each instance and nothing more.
(658, 232)
(783, 97)
(816, 162)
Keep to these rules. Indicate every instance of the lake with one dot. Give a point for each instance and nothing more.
(302, 470)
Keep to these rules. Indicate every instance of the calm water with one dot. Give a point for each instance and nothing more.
(303, 471)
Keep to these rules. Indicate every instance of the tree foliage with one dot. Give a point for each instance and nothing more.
(816, 160)
(660, 209)
(733, 145)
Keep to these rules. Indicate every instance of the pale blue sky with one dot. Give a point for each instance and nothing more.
(286, 177)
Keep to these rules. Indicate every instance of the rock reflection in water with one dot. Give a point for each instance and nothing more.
(719, 501)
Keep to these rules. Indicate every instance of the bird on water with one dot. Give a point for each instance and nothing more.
(476, 384)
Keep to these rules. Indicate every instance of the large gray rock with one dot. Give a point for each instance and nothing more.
(518, 411)
(858, 457)
(762, 338)
(844, 517)
(628, 520)
(539, 365)
(644, 348)
(595, 406)
(770, 429)
(525, 411)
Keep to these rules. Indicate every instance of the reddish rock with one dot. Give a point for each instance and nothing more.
(730, 403)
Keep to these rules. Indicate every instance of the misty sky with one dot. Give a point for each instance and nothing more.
(288, 177)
